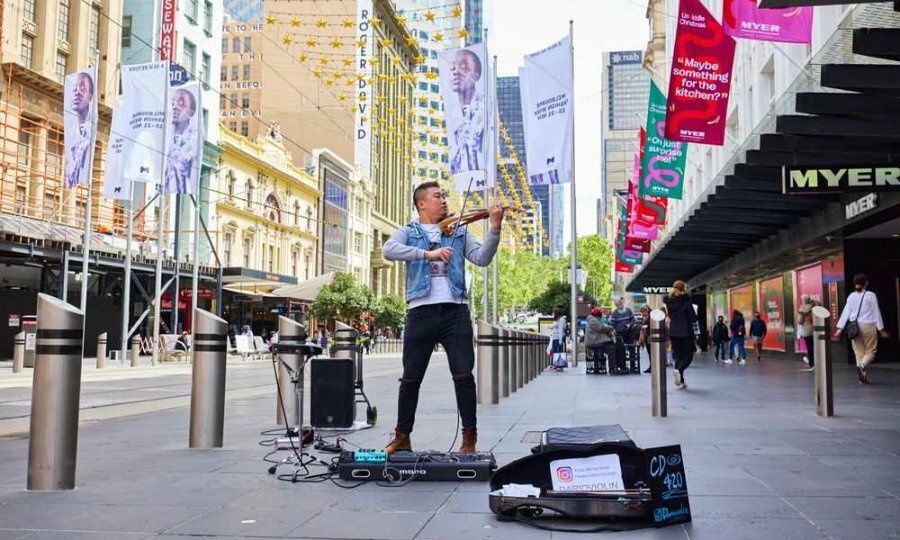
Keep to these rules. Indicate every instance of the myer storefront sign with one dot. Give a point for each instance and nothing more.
(861, 205)
(657, 290)
(844, 179)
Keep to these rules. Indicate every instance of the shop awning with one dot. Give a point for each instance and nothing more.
(308, 290)
(850, 118)
(250, 288)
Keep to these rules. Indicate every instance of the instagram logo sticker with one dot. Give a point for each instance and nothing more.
(564, 474)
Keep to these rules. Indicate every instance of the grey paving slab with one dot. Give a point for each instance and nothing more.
(235, 521)
(756, 529)
(869, 530)
(456, 526)
(393, 525)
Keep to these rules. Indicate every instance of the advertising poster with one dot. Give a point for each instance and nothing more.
(464, 77)
(364, 58)
(80, 125)
(771, 307)
(114, 184)
(142, 112)
(548, 113)
(184, 144)
(700, 80)
(718, 305)
(808, 283)
(742, 19)
(741, 299)
(832, 276)
(663, 160)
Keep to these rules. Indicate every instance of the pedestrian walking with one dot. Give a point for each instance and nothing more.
(644, 334)
(557, 348)
(758, 331)
(682, 317)
(862, 322)
(720, 338)
(805, 329)
(736, 350)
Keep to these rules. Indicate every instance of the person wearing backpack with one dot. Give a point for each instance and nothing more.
(738, 332)
(861, 320)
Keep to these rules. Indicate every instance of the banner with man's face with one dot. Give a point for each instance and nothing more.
(80, 125)
(465, 77)
(144, 89)
(184, 140)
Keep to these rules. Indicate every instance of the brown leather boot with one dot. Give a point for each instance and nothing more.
(470, 437)
(400, 441)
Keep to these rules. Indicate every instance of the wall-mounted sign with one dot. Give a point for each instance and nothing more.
(656, 290)
(860, 206)
(841, 179)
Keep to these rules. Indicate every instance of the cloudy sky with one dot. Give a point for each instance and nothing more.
(519, 27)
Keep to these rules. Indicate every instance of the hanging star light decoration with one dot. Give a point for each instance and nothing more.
(295, 22)
(322, 23)
(361, 42)
(411, 41)
(342, 97)
(287, 39)
(348, 62)
(385, 42)
(270, 19)
(329, 81)
(324, 60)
(375, 21)
(317, 73)
(420, 59)
(311, 42)
(429, 16)
(338, 75)
(347, 23)
(438, 37)
(456, 11)
(336, 43)
(401, 20)
(304, 56)
(462, 33)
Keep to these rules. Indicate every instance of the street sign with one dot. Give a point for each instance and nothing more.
(178, 75)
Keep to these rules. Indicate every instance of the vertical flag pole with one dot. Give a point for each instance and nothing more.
(485, 298)
(495, 152)
(126, 288)
(157, 285)
(89, 205)
(574, 293)
(195, 198)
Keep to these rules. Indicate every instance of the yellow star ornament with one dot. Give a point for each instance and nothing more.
(287, 39)
(311, 42)
(336, 43)
(456, 11)
(347, 23)
(438, 37)
(462, 33)
(429, 16)
(322, 23)
(295, 22)
(270, 19)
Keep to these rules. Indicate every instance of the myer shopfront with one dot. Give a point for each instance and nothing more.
(807, 202)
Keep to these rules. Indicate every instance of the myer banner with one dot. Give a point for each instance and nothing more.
(364, 97)
(839, 178)
(464, 76)
(701, 77)
(184, 140)
(80, 125)
(662, 165)
(548, 113)
(143, 116)
(742, 19)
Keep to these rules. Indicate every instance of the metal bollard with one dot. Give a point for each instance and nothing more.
(822, 344)
(503, 363)
(488, 385)
(135, 351)
(290, 332)
(101, 350)
(208, 380)
(514, 338)
(658, 363)
(55, 395)
(18, 352)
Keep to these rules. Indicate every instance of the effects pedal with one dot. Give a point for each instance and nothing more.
(375, 465)
(370, 456)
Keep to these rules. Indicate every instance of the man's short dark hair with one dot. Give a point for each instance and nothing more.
(420, 191)
(475, 58)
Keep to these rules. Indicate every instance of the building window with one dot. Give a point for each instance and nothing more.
(246, 249)
(272, 260)
(245, 128)
(232, 182)
(245, 100)
(27, 51)
(189, 57)
(248, 45)
(192, 11)
(233, 126)
(55, 151)
(294, 259)
(306, 267)
(234, 73)
(204, 70)
(61, 60)
(94, 33)
(246, 72)
(236, 45)
(249, 186)
(226, 248)
(28, 11)
(224, 45)
(273, 208)
(21, 199)
(309, 218)
(126, 31)
(357, 242)
(207, 18)
(296, 213)
(26, 128)
(62, 23)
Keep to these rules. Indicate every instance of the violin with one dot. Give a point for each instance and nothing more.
(449, 224)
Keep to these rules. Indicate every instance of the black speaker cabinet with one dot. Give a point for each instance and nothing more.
(333, 397)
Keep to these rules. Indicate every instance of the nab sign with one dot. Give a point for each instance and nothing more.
(841, 179)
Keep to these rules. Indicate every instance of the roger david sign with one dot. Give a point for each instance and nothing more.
(842, 179)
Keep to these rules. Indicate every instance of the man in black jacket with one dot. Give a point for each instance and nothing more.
(720, 338)
(682, 319)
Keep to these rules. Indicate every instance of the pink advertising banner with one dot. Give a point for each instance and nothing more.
(700, 81)
(771, 303)
(742, 19)
(809, 283)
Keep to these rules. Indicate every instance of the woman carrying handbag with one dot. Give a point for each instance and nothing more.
(865, 326)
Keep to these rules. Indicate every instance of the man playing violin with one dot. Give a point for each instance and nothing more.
(437, 306)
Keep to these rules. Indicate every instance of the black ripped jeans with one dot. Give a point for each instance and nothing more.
(450, 325)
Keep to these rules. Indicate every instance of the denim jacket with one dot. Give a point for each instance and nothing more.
(410, 243)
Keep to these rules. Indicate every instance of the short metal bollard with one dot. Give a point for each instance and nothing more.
(135, 351)
(18, 352)
(514, 338)
(55, 395)
(658, 363)
(290, 332)
(101, 351)
(208, 380)
(503, 338)
(487, 366)
(822, 344)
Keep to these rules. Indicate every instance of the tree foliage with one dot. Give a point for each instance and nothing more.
(343, 300)
(557, 293)
(596, 257)
(389, 312)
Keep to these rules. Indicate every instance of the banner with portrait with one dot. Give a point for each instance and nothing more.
(144, 88)
(743, 19)
(464, 80)
(700, 80)
(80, 125)
(184, 140)
(548, 113)
(115, 186)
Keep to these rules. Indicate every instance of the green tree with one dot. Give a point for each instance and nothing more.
(343, 299)
(557, 293)
(389, 312)
(596, 257)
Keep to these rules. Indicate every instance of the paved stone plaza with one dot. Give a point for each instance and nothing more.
(760, 463)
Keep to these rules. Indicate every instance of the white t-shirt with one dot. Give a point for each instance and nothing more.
(440, 291)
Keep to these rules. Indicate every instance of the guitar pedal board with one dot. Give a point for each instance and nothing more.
(375, 465)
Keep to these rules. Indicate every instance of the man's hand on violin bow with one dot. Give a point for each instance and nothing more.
(495, 212)
(439, 254)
